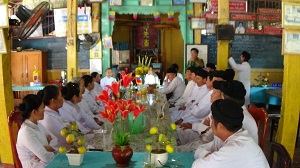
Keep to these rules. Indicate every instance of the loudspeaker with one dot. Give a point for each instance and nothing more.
(225, 32)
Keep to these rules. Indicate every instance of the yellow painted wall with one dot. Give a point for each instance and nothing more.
(173, 44)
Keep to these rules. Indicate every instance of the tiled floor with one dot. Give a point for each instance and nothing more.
(296, 159)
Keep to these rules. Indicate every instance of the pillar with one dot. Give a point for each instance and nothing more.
(222, 49)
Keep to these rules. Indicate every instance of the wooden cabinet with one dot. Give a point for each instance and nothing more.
(22, 66)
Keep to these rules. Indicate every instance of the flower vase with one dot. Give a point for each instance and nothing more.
(160, 158)
(122, 158)
(75, 159)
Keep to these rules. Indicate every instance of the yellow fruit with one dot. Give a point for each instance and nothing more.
(70, 138)
(173, 126)
(64, 132)
(149, 148)
(81, 150)
(74, 127)
(62, 149)
(161, 137)
(153, 130)
(81, 140)
(169, 149)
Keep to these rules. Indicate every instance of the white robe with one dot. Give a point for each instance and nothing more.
(97, 88)
(187, 93)
(176, 86)
(107, 81)
(192, 138)
(90, 98)
(30, 144)
(237, 150)
(244, 72)
(55, 123)
(71, 112)
(197, 113)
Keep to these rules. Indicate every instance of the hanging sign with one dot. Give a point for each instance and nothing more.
(269, 11)
(274, 30)
(234, 6)
(243, 17)
(269, 18)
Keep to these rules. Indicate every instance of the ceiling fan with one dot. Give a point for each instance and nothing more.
(31, 19)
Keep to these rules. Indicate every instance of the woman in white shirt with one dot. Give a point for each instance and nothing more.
(35, 144)
(53, 121)
(70, 110)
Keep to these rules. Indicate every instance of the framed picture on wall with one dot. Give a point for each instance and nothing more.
(203, 51)
(178, 2)
(210, 28)
(240, 27)
(290, 15)
(232, 23)
(4, 12)
(198, 23)
(115, 2)
(2, 42)
(107, 42)
(290, 42)
(146, 2)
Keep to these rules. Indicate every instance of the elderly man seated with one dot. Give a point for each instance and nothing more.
(173, 86)
(232, 146)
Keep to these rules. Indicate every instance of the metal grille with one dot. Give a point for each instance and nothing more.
(254, 4)
(48, 24)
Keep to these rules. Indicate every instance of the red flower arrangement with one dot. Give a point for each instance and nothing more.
(116, 111)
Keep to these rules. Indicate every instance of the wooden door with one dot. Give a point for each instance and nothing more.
(17, 68)
(33, 59)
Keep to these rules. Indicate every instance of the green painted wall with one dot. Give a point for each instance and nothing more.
(130, 6)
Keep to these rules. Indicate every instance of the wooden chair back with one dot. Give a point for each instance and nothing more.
(261, 117)
(282, 159)
(15, 118)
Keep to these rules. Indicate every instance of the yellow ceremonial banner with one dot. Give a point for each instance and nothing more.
(96, 52)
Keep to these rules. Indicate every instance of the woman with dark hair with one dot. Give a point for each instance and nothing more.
(88, 119)
(89, 95)
(70, 110)
(35, 144)
(53, 121)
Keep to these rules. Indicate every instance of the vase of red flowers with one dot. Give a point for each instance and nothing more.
(116, 112)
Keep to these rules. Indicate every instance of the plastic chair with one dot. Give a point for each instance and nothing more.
(260, 116)
(282, 159)
(15, 117)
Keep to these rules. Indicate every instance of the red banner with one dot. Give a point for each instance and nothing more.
(234, 6)
(269, 11)
(212, 16)
(269, 18)
(243, 17)
(146, 37)
(275, 30)
(254, 31)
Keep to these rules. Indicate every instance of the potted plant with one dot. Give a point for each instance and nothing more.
(159, 143)
(76, 141)
(262, 80)
(116, 112)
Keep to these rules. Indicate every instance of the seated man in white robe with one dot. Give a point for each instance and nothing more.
(173, 86)
(199, 91)
(232, 146)
(107, 80)
(229, 90)
(189, 76)
(200, 110)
